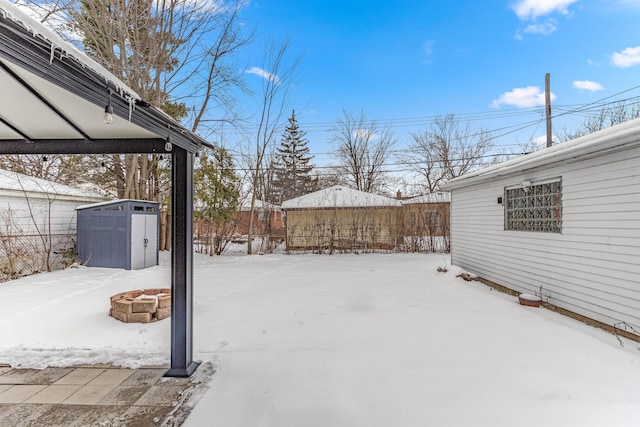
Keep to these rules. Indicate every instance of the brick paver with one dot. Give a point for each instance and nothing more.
(80, 376)
(53, 394)
(19, 393)
(90, 395)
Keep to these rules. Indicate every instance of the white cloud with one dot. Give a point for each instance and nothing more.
(522, 97)
(626, 58)
(544, 29)
(532, 9)
(587, 85)
(427, 51)
(427, 47)
(541, 141)
(264, 74)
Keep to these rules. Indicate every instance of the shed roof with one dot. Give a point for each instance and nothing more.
(613, 139)
(339, 197)
(114, 202)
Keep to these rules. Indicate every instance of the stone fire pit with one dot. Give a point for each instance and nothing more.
(141, 306)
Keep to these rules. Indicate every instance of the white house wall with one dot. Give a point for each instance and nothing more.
(591, 268)
(57, 217)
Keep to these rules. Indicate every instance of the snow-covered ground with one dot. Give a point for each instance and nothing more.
(342, 340)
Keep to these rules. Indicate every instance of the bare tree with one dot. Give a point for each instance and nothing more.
(278, 81)
(49, 167)
(160, 49)
(178, 55)
(362, 148)
(11, 251)
(606, 117)
(32, 238)
(446, 150)
(223, 74)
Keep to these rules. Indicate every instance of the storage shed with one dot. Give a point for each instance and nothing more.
(119, 234)
(563, 223)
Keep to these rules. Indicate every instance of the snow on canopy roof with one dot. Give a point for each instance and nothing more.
(340, 197)
(615, 138)
(438, 197)
(17, 182)
(20, 16)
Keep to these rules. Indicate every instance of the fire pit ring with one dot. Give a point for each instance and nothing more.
(141, 306)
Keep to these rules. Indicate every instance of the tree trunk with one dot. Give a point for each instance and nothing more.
(131, 173)
(163, 230)
(143, 184)
(169, 229)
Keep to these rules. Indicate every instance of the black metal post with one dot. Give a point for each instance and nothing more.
(182, 364)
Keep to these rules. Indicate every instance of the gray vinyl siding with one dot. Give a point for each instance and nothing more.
(592, 267)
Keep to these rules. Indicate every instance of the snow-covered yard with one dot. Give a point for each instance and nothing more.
(342, 340)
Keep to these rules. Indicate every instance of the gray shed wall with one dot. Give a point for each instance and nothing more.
(106, 230)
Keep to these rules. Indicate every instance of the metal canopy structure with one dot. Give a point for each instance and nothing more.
(53, 100)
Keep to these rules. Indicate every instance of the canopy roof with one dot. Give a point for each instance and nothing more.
(57, 98)
(53, 99)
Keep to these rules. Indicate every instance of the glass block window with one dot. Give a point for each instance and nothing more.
(537, 207)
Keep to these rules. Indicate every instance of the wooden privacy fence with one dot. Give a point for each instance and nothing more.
(411, 228)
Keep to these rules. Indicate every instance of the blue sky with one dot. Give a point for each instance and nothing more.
(404, 62)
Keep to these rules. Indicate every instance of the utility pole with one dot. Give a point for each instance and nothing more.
(547, 102)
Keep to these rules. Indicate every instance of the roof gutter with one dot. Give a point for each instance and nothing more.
(607, 141)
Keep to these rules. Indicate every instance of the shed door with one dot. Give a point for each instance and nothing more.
(144, 241)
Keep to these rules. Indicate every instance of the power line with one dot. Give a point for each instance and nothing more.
(417, 121)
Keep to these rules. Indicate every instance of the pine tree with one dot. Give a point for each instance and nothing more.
(293, 165)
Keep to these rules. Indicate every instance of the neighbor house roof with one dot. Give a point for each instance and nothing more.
(259, 205)
(438, 197)
(615, 138)
(339, 197)
(17, 184)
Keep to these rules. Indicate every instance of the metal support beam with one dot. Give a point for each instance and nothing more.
(182, 364)
(75, 146)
